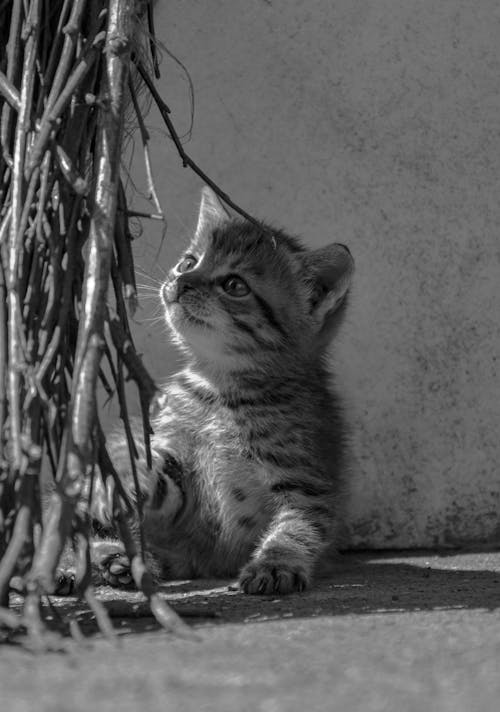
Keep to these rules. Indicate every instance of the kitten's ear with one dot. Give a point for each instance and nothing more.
(330, 270)
(212, 213)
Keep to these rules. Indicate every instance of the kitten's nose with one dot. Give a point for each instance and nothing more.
(344, 246)
(173, 290)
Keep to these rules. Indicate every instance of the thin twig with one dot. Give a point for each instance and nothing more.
(107, 469)
(84, 579)
(11, 555)
(55, 49)
(133, 362)
(146, 387)
(3, 354)
(100, 613)
(65, 57)
(167, 618)
(152, 39)
(123, 245)
(13, 69)
(148, 216)
(51, 349)
(145, 144)
(187, 160)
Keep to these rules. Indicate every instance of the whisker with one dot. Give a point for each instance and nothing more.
(159, 316)
(150, 319)
(159, 311)
(148, 287)
(157, 307)
(149, 303)
(151, 297)
(144, 270)
(157, 268)
(147, 275)
(162, 270)
(152, 285)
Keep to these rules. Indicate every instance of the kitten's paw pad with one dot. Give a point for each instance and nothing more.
(65, 582)
(115, 570)
(263, 578)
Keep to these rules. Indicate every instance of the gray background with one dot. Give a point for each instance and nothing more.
(375, 124)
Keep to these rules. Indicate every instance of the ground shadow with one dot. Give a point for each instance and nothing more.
(354, 584)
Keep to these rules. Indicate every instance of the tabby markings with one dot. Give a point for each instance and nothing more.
(268, 313)
(307, 488)
(247, 522)
(239, 495)
(160, 492)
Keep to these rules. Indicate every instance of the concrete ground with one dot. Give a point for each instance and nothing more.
(393, 632)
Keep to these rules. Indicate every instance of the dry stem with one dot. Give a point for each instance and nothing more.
(59, 192)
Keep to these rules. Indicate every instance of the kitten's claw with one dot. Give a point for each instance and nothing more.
(262, 578)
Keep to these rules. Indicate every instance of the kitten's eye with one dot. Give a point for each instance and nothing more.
(235, 287)
(187, 263)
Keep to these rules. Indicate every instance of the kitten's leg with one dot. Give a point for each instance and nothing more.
(284, 561)
(161, 494)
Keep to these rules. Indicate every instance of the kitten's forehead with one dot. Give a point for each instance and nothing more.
(240, 244)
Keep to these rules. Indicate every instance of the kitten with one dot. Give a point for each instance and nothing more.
(248, 448)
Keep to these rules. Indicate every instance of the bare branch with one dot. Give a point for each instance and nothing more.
(52, 113)
(13, 70)
(14, 308)
(76, 452)
(9, 92)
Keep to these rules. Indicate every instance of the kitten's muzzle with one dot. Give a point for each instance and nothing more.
(169, 292)
(172, 291)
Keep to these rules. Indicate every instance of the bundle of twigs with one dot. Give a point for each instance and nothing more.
(67, 73)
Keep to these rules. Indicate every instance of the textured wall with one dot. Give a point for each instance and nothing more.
(377, 125)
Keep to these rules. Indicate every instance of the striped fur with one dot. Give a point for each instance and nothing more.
(249, 446)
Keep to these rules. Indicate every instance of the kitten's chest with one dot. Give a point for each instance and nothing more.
(230, 471)
(232, 482)
(221, 445)
(226, 447)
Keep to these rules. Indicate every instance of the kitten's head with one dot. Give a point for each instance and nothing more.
(238, 296)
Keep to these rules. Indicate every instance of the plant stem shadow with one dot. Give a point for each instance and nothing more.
(360, 583)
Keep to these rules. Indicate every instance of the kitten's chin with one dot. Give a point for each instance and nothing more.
(191, 333)
(182, 320)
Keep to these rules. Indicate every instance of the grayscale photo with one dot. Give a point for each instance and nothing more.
(249, 340)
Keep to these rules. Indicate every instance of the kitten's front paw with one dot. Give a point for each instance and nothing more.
(111, 564)
(114, 570)
(262, 577)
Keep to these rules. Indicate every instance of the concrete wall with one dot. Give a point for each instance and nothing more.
(376, 124)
